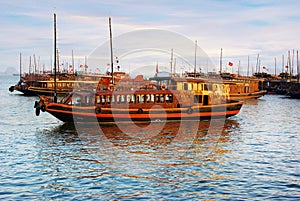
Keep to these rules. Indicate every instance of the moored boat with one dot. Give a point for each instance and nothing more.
(113, 103)
(44, 84)
(242, 88)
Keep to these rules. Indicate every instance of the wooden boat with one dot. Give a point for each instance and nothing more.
(160, 98)
(43, 84)
(113, 103)
(242, 88)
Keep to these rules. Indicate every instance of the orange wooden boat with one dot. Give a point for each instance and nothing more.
(112, 103)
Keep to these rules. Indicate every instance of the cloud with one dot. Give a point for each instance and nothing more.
(241, 28)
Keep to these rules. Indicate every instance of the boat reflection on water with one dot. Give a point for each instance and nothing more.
(140, 146)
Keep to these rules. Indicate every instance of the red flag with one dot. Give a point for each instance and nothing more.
(286, 66)
(230, 64)
(157, 68)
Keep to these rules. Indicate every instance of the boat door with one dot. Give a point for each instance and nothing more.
(205, 100)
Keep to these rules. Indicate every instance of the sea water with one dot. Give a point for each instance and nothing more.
(252, 156)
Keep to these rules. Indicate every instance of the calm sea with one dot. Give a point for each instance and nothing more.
(252, 156)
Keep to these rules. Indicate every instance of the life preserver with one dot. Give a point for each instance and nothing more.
(98, 110)
(140, 111)
(36, 104)
(110, 87)
(163, 87)
(43, 108)
(37, 111)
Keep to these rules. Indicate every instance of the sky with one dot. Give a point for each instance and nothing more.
(242, 28)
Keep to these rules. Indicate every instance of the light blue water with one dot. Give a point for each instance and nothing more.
(256, 156)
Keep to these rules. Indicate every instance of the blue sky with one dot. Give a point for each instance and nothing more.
(242, 28)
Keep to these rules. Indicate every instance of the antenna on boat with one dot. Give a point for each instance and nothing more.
(111, 52)
(55, 51)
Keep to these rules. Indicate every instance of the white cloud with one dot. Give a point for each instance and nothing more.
(241, 28)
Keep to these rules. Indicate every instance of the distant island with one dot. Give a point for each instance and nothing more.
(9, 71)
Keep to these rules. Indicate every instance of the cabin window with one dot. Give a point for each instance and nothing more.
(185, 86)
(123, 99)
(162, 98)
(195, 87)
(132, 99)
(129, 100)
(143, 98)
(103, 99)
(199, 87)
(198, 99)
(152, 98)
(98, 99)
(108, 100)
(113, 99)
(205, 88)
(179, 86)
(118, 100)
(169, 98)
(157, 99)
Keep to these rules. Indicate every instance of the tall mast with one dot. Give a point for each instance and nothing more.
(282, 63)
(289, 64)
(221, 61)
(239, 68)
(20, 65)
(195, 58)
(248, 66)
(111, 53)
(29, 67)
(55, 58)
(257, 63)
(174, 66)
(171, 62)
(298, 67)
(275, 65)
(34, 61)
(73, 67)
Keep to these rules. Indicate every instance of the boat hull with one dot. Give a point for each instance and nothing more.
(245, 96)
(90, 114)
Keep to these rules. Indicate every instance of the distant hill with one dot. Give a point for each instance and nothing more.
(9, 71)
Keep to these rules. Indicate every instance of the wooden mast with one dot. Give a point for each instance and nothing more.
(298, 67)
(171, 62)
(55, 58)
(221, 61)
(20, 65)
(111, 52)
(275, 65)
(73, 67)
(248, 66)
(195, 58)
(257, 65)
